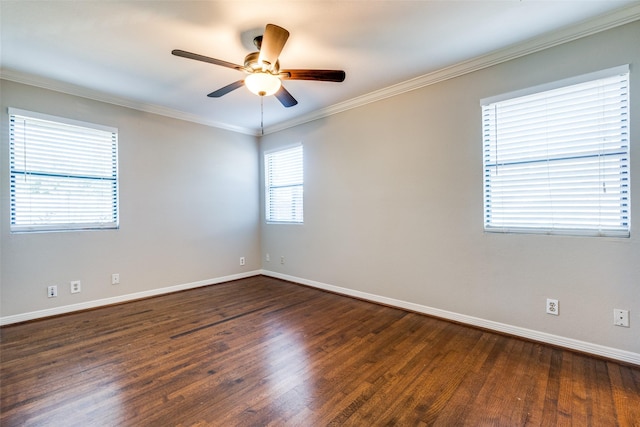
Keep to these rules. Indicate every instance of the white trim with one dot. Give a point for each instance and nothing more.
(570, 81)
(587, 28)
(582, 346)
(282, 148)
(7, 320)
(83, 92)
(614, 234)
(64, 120)
(569, 343)
(602, 23)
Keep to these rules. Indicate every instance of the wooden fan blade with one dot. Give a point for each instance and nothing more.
(319, 75)
(189, 55)
(285, 97)
(225, 90)
(273, 41)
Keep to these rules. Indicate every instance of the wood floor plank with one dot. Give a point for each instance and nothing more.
(624, 380)
(261, 351)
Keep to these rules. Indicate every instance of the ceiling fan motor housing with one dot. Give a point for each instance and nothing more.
(263, 68)
(252, 64)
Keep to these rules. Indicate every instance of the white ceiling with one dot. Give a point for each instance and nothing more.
(119, 51)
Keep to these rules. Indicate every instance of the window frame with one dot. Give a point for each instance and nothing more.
(268, 187)
(599, 228)
(106, 172)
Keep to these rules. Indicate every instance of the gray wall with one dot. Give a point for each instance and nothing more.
(188, 210)
(393, 208)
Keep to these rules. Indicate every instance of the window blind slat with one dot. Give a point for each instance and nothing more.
(284, 181)
(558, 161)
(63, 175)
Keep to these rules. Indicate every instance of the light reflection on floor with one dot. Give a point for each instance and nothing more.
(287, 364)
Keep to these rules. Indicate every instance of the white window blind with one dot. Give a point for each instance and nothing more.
(284, 179)
(557, 161)
(63, 173)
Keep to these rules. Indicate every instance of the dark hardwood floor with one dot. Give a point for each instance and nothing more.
(261, 351)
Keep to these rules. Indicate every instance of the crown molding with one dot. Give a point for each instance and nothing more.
(83, 92)
(584, 29)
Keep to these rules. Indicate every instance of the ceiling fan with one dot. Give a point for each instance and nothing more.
(263, 68)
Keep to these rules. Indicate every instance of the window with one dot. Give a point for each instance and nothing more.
(284, 180)
(63, 173)
(556, 158)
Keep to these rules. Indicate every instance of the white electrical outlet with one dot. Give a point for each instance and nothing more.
(553, 307)
(281, 260)
(242, 261)
(115, 279)
(52, 291)
(621, 317)
(75, 286)
(267, 258)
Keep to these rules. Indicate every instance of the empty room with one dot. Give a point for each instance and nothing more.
(310, 213)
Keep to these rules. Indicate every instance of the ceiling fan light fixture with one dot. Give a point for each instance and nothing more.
(262, 84)
(263, 68)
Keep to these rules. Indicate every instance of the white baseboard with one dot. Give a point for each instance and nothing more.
(7, 320)
(569, 343)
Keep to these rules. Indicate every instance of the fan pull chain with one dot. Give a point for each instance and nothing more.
(262, 115)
